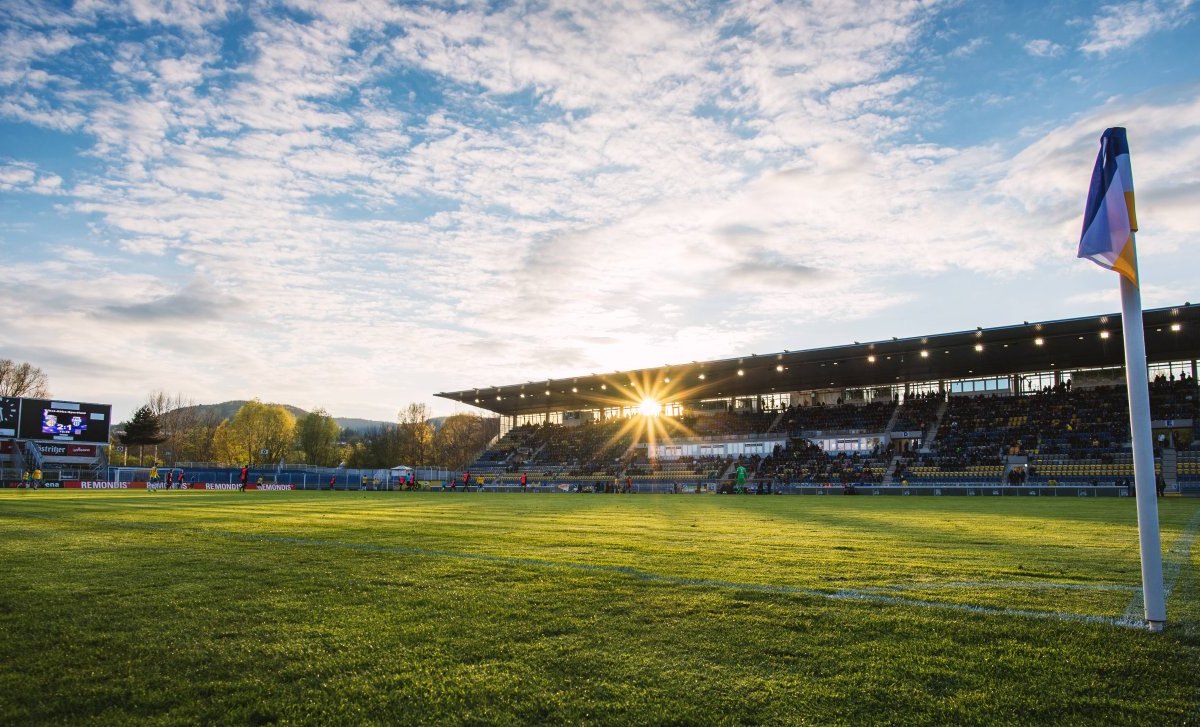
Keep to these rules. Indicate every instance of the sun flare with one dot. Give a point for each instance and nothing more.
(650, 407)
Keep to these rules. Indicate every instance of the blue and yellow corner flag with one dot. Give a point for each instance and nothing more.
(1109, 220)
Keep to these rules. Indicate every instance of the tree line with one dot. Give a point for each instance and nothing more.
(170, 429)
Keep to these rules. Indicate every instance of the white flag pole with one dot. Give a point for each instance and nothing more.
(1138, 387)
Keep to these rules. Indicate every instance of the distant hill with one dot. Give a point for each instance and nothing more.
(226, 410)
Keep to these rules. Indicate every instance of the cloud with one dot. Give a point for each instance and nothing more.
(969, 48)
(25, 177)
(1109, 299)
(1118, 26)
(433, 196)
(1041, 48)
(191, 15)
(197, 302)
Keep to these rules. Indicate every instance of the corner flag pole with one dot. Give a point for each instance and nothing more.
(1109, 224)
(1138, 387)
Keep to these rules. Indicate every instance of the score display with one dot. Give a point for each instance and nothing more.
(64, 421)
(10, 413)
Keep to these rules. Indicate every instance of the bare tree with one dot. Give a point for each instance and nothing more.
(173, 422)
(416, 435)
(22, 379)
(461, 439)
(188, 429)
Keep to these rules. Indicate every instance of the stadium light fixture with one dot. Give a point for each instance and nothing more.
(574, 389)
(979, 347)
(871, 358)
(604, 387)
(741, 372)
(1039, 341)
(779, 367)
(702, 377)
(1104, 334)
(924, 353)
(1177, 327)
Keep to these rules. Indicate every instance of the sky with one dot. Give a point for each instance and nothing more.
(354, 205)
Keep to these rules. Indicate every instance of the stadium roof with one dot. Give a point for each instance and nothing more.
(1172, 334)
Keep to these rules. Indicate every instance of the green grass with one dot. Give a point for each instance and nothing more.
(325, 608)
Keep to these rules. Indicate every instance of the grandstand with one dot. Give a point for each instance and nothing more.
(1041, 406)
(1038, 406)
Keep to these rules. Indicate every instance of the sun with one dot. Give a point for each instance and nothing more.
(650, 407)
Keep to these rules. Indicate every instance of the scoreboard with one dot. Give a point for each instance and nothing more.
(54, 421)
(10, 415)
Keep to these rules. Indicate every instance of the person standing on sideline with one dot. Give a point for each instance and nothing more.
(524, 482)
(332, 478)
(741, 478)
(243, 475)
(467, 481)
(37, 478)
(179, 479)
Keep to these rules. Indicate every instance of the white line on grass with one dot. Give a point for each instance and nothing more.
(1178, 555)
(1030, 585)
(862, 596)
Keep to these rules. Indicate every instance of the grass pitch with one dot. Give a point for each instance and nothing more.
(327, 608)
